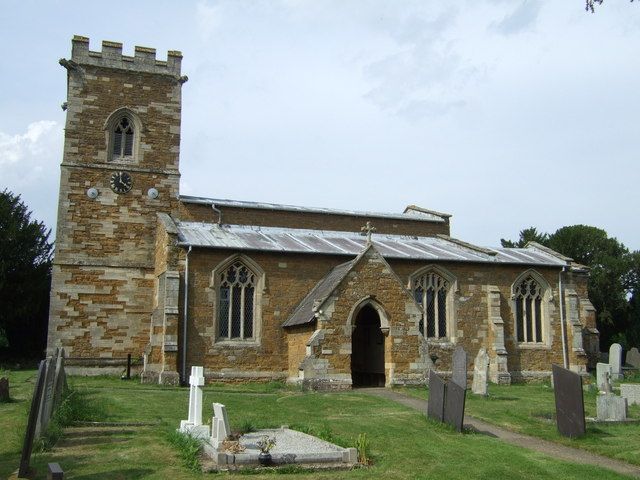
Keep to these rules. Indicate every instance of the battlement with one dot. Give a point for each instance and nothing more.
(144, 59)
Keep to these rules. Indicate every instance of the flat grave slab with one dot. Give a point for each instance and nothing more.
(292, 447)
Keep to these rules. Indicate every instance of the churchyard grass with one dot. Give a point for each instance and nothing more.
(403, 444)
(530, 409)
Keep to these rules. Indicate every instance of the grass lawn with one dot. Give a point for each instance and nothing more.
(404, 444)
(530, 409)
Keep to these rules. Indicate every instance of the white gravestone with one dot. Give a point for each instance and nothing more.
(615, 360)
(603, 372)
(220, 425)
(193, 425)
(611, 408)
(631, 392)
(480, 373)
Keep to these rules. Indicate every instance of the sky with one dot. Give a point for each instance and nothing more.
(505, 114)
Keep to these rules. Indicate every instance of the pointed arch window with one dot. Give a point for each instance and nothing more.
(237, 300)
(528, 296)
(123, 135)
(430, 291)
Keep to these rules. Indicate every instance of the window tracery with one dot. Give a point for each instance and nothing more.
(430, 292)
(237, 299)
(528, 297)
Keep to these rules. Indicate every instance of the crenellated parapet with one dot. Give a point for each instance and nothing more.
(144, 59)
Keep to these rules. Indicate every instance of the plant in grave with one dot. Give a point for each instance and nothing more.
(266, 443)
(362, 445)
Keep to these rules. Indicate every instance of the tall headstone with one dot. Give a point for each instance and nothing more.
(60, 379)
(4, 389)
(615, 360)
(29, 435)
(459, 367)
(193, 425)
(603, 374)
(46, 404)
(435, 405)
(633, 358)
(569, 402)
(480, 373)
(220, 429)
(454, 405)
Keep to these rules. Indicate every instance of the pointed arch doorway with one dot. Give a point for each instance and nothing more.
(367, 350)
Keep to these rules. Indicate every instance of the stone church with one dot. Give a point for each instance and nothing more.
(331, 299)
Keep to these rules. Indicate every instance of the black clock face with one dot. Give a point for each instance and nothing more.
(121, 182)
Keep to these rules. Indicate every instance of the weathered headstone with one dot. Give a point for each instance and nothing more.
(633, 358)
(459, 367)
(480, 373)
(630, 391)
(611, 408)
(454, 401)
(29, 434)
(46, 404)
(193, 425)
(615, 360)
(4, 389)
(603, 374)
(435, 405)
(60, 379)
(220, 429)
(569, 402)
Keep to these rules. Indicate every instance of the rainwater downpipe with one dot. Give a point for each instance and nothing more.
(219, 212)
(185, 316)
(565, 360)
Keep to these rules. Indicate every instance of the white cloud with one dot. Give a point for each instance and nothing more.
(28, 166)
(520, 19)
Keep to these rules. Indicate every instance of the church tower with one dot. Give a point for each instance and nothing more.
(119, 170)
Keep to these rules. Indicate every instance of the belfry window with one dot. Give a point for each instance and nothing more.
(123, 137)
(430, 292)
(236, 308)
(528, 295)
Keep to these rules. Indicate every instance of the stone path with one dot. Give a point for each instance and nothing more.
(543, 446)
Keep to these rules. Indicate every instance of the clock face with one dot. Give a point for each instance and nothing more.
(121, 182)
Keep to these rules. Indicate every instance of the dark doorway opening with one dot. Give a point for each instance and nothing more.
(367, 350)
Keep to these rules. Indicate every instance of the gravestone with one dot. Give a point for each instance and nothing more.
(454, 405)
(569, 402)
(615, 360)
(611, 408)
(60, 379)
(193, 425)
(46, 403)
(633, 358)
(631, 392)
(459, 367)
(4, 389)
(603, 374)
(435, 405)
(220, 429)
(29, 435)
(480, 373)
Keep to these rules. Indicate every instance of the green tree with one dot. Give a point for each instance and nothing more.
(25, 278)
(527, 235)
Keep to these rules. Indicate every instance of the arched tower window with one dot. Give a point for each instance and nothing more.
(122, 147)
(528, 296)
(237, 301)
(123, 128)
(430, 291)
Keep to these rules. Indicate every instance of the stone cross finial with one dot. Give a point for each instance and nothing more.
(367, 230)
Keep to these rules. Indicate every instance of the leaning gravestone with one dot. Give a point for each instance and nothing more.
(459, 367)
(480, 373)
(569, 402)
(454, 405)
(220, 429)
(29, 434)
(615, 360)
(603, 374)
(633, 358)
(46, 404)
(60, 379)
(435, 405)
(4, 389)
